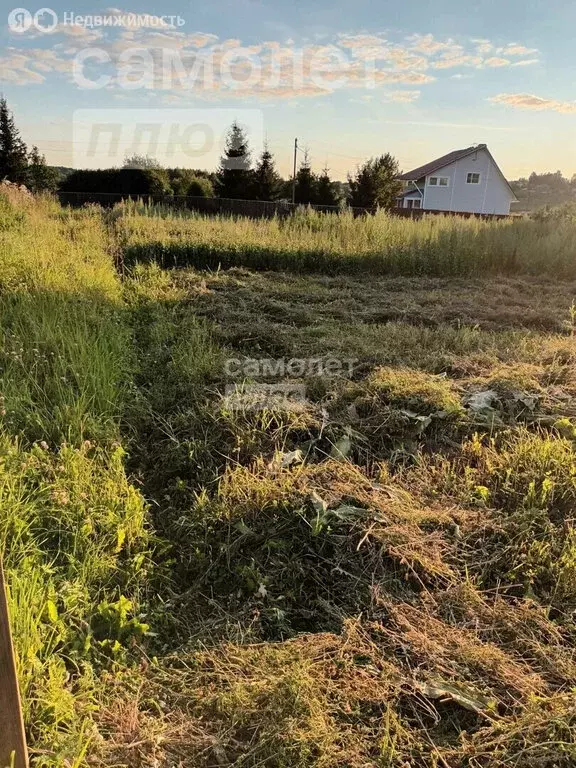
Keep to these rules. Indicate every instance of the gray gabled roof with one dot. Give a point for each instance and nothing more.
(451, 157)
(441, 162)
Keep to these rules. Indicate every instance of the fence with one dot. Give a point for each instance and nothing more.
(255, 209)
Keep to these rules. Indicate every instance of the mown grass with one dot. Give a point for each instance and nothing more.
(385, 576)
(380, 575)
(342, 244)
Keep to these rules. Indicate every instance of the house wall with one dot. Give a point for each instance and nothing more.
(491, 195)
(414, 196)
(418, 194)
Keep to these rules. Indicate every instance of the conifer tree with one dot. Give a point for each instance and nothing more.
(327, 192)
(267, 184)
(305, 182)
(234, 176)
(13, 152)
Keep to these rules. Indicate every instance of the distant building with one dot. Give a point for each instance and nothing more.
(465, 181)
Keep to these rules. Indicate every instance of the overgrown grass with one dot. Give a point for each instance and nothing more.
(72, 531)
(334, 244)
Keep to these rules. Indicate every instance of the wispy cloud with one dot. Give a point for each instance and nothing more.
(405, 97)
(210, 67)
(518, 50)
(496, 61)
(525, 62)
(536, 103)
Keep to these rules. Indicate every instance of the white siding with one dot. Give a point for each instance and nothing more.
(491, 195)
(414, 196)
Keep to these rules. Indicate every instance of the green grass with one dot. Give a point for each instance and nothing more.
(406, 533)
(73, 531)
(341, 244)
(381, 575)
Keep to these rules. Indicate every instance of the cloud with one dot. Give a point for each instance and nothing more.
(525, 62)
(483, 46)
(360, 41)
(495, 61)
(201, 64)
(536, 103)
(428, 45)
(518, 50)
(405, 97)
(449, 61)
(32, 66)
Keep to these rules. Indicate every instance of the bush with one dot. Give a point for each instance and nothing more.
(108, 185)
(186, 182)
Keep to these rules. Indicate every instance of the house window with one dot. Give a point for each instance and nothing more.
(438, 181)
(413, 203)
(473, 178)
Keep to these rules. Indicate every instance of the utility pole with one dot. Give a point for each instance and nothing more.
(294, 175)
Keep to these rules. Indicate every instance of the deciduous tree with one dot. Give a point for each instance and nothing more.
(375, 184)
(39, 176)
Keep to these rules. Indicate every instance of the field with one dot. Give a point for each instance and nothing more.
(206, 571)
(330, 244)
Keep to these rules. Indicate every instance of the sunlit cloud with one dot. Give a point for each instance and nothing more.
(529, 101)
(428, 45)
(450, 61)
(170, 59)
(496, 61)
(525, 62)
(483, 46)
(518, 50)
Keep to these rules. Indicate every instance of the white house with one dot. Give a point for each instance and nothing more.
(465, 181)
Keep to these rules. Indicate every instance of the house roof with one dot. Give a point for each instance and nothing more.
(442, 162)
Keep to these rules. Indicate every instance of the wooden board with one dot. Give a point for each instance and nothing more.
(13, 751)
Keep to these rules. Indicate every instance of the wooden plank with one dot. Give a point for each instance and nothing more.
(13, 751)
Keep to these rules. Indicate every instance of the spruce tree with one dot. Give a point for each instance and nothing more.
(13, 152)
(327, 192)
(305, 183)
(267, 184)
(375, 184)
(234, 176)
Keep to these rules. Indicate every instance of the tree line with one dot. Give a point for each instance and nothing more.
(18, 164)
(373, 184)
(544, 190)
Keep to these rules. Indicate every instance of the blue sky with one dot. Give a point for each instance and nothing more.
(444, 75)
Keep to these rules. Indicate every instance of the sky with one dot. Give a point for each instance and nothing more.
(349, 79)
